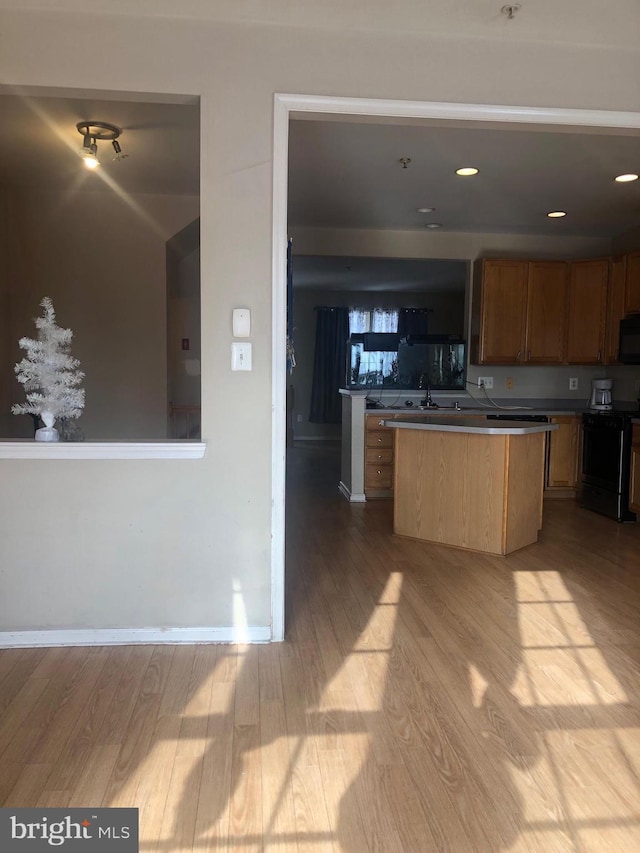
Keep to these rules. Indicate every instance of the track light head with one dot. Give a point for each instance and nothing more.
(92, 132)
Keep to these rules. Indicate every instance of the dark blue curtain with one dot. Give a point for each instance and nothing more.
(329, 365)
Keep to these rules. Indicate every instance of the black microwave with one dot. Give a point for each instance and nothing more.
(629, 352)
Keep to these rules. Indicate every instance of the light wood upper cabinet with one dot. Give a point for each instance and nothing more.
(546, 312)
(552, 312)
(615, 308)
(500, 307)
(632, 284)
(587, 306)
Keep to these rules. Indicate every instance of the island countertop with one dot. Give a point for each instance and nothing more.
(470, 424)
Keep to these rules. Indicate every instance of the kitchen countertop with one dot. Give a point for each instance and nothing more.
(471, 424)
(446, 411)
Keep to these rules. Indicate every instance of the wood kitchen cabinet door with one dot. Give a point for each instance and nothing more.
(634, 481)
(562, 455)
(378, 468)
(586, 311)
(632, 284)
(503, 308)
(546, 312)
(615, 308)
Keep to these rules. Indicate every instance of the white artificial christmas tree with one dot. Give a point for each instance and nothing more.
(50, 375)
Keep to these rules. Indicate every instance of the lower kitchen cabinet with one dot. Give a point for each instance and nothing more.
(378, 468)
(634, 482)
(379, 451)
(562, 456)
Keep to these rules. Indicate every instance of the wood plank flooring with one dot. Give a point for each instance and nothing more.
(426, 699)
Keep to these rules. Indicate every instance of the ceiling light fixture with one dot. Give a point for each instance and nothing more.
(93, 132)
(433, 225)
(465, 171)
(556, 214)
(625, 179)
(426, 209)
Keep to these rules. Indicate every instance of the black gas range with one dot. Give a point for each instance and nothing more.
(606, 462)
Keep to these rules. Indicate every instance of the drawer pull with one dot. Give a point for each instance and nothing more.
(378, 472)
(379, 440)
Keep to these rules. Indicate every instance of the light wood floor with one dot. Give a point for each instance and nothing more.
(426, 699)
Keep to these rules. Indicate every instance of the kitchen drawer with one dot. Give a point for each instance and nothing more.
(379, 438)
(378, 476)
(379, 456)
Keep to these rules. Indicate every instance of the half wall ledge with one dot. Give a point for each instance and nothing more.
(20, 449)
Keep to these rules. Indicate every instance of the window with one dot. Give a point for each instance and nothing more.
(372, 367)
(373, 320)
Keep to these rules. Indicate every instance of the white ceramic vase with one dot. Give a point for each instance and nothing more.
(47, 432)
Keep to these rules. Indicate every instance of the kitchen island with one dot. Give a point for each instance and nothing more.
(468, 483)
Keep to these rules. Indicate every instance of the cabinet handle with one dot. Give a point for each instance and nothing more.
(518, 355)
(379, 455)
(528, 355)
(379, 441)
(379, 472)
(599, 355)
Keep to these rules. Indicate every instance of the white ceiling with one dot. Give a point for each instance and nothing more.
(569, 22)
(347, 174)
(39, 144)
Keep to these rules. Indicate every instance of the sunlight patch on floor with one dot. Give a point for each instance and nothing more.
(368, 677)
(581, 792)
(562, 664)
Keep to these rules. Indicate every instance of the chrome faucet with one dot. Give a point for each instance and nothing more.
(428, 402)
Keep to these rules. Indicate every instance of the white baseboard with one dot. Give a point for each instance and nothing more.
(352, 497)
(131, 636)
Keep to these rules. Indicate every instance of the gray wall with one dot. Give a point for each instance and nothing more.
(102, 262)
(176, 543)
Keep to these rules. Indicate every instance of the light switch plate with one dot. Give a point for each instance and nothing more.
(240, 356)
(241, 322)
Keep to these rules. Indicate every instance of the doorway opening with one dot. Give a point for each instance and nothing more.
(363, 111)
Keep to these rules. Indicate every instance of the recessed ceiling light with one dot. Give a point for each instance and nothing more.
(556, 214)
(624, 179)
(467, 170)
(426, 209)
(433, 225)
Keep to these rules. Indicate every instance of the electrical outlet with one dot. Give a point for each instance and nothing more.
(508, 383)
(299, 419)
(573, 383)
(485, 382)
